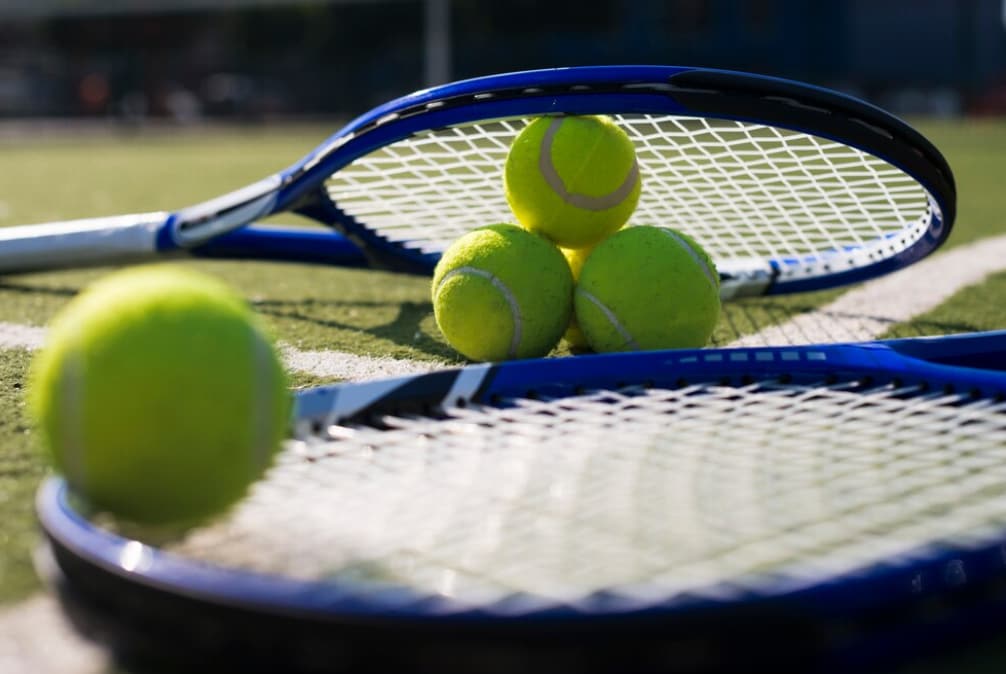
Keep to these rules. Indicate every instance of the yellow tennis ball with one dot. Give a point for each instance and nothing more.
(500, 292)
(572, 179)
(159, 396)
(647, 288)
(575, 257)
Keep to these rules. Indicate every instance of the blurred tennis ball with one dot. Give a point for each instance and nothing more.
(572, 179)
(575, 257)
(159, 396)
(647, 288)
(500, 292)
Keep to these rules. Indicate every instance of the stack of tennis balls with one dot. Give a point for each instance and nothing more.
(571, 269)
(159, 395)
(577, 181)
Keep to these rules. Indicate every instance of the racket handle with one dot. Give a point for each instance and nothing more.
(80, 243)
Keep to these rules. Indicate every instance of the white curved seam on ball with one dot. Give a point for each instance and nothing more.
(507, 295)
(583, 201)
(710, 273)
(610, 315)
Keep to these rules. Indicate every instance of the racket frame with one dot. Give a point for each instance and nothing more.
(943, 590)
(210, 228)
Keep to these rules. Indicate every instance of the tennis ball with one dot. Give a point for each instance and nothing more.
(158, 395)
(647, 288)
(500, 292)
(575, 257)
(572, 179)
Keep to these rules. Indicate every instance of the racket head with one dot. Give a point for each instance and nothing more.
(790, 187)
(869, 600)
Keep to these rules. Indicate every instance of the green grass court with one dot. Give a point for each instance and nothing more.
(361, 312)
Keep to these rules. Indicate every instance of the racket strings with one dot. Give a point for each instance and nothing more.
(746, 191)
(677, 489)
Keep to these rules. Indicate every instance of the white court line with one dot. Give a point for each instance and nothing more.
(867, 312)
(13, 336)
(336, 364)
(35, 638)
(861, 314)
(348, 366)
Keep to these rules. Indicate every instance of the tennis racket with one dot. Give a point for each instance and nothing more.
(795, 508)
(789, 187)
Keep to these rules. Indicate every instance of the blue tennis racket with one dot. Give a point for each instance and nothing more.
(782, 509)
(788, 186)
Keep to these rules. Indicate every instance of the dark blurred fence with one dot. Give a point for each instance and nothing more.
(191, 59)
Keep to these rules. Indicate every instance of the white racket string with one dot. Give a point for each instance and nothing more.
(646, 492)
(745, 191)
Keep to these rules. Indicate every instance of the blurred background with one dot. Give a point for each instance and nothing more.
(185, 61)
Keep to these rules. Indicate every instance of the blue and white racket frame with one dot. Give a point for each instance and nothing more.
(633, 89)
(141, 599)
(224, 227)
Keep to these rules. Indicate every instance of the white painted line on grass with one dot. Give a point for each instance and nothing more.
(35, 638)
(861, 314)
(335, 364)
(351, 367)
(13, 336)
(867, 312)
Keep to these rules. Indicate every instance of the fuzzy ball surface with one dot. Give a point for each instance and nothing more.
(500, 292)
(159, 396)
(647, 288)
(573, 179)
